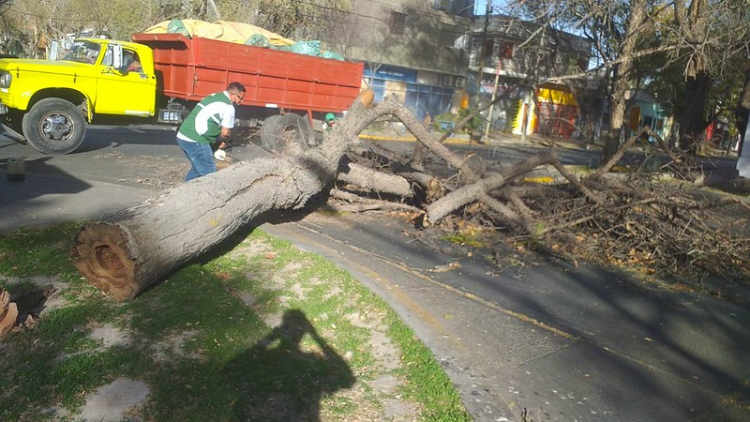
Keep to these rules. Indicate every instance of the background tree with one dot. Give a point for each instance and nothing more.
(711, 35)
(299, 20)
(616, 29)
(660, 45)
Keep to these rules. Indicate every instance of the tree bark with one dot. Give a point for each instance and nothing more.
(135, 247)
(742, 114)
(692, 21)
(693, 125)
(618, 103)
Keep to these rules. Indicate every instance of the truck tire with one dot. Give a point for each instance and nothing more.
(289, 133)
(54, 126)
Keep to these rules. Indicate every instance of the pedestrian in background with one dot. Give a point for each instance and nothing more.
(330, 121)
(427, 122)
(212, 118)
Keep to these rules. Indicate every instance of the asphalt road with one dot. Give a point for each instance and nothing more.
(564, 343)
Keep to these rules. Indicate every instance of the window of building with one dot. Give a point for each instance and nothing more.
(397, 23)
(489, 47)
(448, 35)
(506, 50)
(583, 64)
(441, 5)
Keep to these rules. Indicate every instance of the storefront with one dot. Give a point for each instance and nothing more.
(557, 114)
(421, 92)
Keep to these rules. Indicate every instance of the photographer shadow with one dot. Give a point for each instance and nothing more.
(286, 374)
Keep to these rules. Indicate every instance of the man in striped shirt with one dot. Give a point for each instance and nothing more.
(212, 118)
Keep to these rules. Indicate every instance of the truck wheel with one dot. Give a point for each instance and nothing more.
(290, 134)
(54, 126)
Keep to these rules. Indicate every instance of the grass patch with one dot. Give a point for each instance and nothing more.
(265, 332)
(464, 239)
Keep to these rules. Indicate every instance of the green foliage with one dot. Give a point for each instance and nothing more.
(431, 385)
(472, 125)
(299, 20)
(464, 239)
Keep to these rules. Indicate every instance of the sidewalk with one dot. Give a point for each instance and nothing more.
(494, 138)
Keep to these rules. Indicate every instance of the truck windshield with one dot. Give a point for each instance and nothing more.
(83, 52)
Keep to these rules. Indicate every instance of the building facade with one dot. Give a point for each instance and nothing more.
(504, 63)
(414, 50)
(434, 55)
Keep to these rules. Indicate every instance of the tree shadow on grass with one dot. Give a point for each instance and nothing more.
(285, 376)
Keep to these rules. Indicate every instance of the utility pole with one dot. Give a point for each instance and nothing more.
(494, 96)
(480, 72)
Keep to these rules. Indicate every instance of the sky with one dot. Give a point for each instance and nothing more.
(480, 6)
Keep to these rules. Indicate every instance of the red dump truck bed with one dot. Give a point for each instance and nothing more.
(192, 68)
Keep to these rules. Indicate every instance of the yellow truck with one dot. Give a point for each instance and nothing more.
(50, 102)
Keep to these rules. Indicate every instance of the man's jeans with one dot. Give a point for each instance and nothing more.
(200, 156)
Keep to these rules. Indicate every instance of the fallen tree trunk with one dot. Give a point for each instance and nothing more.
(131, 249)
(370, 179)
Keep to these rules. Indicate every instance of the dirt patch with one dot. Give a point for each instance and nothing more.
(172, 347)
(109, 335)
(116, 401)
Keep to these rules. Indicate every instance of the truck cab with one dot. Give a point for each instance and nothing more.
(51, 101)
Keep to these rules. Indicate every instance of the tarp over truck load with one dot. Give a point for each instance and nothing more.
(241, 33)
(234, 32)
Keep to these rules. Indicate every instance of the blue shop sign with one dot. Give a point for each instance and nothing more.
(392, 73)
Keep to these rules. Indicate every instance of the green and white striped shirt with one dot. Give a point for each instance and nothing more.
(204, 123)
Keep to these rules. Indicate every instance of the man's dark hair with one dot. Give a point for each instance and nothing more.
(236, 87)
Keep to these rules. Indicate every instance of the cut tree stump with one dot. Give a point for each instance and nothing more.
(8, 313)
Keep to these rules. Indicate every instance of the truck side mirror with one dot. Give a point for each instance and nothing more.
(117, 61)
(113, 57)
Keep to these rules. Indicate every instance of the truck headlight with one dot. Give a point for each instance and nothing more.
(5, 79)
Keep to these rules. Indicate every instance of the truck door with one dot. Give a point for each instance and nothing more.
(123, 88)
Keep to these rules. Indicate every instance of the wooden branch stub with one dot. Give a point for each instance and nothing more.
(374, 180)
(366, 97)
(8, 313)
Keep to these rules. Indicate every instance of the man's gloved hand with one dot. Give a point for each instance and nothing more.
(220, 154)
